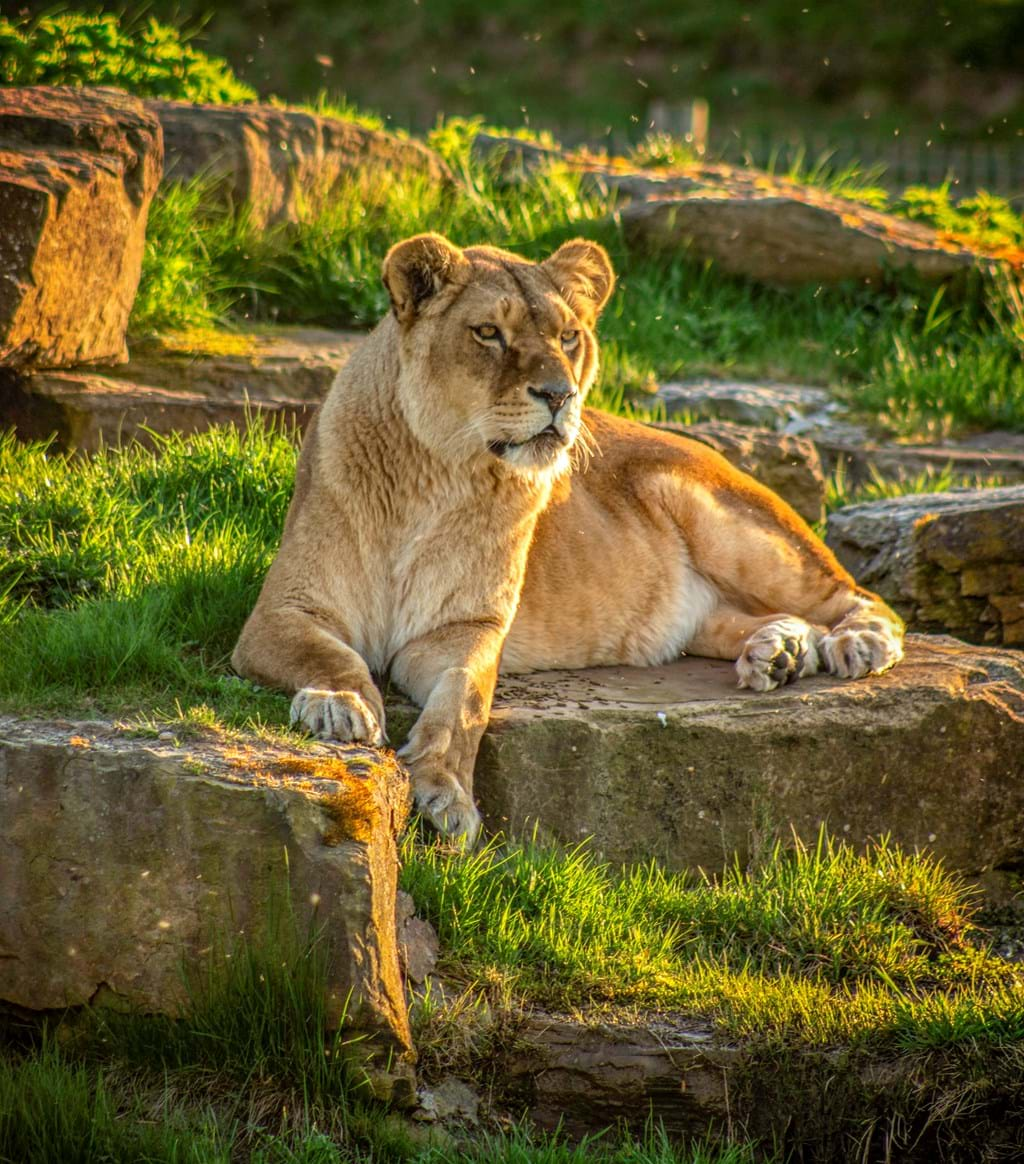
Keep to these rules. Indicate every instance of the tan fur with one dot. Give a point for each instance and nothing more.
(431, 537)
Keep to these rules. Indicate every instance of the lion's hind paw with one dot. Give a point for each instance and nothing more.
(853, 652)
(776, 654)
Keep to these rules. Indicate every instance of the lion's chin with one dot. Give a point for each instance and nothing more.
(546, 450)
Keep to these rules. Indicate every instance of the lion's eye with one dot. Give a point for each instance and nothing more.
(570, 339)
(489, 334)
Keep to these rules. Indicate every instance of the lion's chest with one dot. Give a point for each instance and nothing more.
(440, 564)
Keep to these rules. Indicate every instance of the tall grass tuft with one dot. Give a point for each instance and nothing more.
(815, 942)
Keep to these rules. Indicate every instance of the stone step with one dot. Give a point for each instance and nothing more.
(123, 859)
(676, 764)
(950, 561)
(272, 364)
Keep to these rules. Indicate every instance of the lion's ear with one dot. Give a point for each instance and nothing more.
(583, 274)
(417, 269)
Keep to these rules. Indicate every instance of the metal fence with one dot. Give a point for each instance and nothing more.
(897, 162)
(893, 162)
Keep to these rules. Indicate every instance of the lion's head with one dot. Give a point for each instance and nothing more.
(497, 353)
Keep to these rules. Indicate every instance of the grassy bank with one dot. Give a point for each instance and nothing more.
(813, 946)
(908, 356)
(859, 978)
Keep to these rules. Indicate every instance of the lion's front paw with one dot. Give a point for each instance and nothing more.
(445, 803)
(336, 715)
(777, 654)
(854, 652)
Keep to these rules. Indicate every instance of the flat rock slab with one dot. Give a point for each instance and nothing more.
(769, 405)
(946, 561)
(283, 165)
(124, 858)
(84, 412)
(675, 763)
(273, 364)
(78, 169)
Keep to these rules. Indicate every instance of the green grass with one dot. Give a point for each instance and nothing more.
(909, 356)
(58, 1108)
(840, 493)
(814, 945)
(125, 578)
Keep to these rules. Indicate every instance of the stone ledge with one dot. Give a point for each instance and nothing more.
(123, 858)
(675, 763)
(84, 412)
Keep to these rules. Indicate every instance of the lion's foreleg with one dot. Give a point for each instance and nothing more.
(451, 672)
(335, 695)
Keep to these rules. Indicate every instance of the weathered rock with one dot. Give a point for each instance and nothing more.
(946, 561)
(782, 238)
(585, 1077)
(124, 859)
(676, 764)
(283, 165)
(450, 1101)
(78, 169)
(749, 222)
(784, 407)
(788, 465)
(803, 1103)
(279, 364)
(86, 412)
(418, 945)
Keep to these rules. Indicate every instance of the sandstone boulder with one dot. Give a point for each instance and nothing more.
(946, 561)
(676, 764)
(78, 169)
(781, 238)
(748, 222)
(788, 465)
(124, 860)
(283, 165)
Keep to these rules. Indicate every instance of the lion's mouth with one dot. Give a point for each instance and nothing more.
(547, 438)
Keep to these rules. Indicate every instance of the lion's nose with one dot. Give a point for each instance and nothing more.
(554, 394)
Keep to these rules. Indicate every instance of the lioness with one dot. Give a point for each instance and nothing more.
(458, 511)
